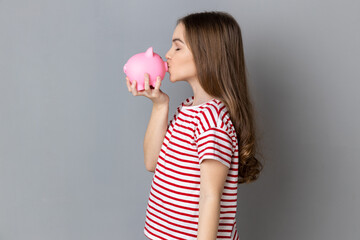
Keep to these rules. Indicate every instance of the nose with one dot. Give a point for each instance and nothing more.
(167, 55)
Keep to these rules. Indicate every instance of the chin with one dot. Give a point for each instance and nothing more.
(172, 79)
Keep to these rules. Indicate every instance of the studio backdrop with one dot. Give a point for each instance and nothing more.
(71, 135)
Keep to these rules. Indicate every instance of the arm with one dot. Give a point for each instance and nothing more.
(155, 134)
(212, 179)
(157, 126)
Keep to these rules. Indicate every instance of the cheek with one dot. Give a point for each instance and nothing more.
(185, 71)
(183, 66)
(190, 67)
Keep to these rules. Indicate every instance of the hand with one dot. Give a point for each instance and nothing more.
(157, 96)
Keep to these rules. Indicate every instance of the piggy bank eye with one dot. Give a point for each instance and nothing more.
(177, 49)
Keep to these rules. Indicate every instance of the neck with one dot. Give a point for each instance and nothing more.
(200, 96)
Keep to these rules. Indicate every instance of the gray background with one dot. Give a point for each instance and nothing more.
(71, 135)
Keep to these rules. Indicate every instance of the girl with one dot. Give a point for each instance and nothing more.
(208, 148)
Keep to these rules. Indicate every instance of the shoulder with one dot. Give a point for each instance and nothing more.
(214, 115)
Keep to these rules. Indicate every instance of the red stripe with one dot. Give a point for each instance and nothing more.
(177, 206)
(202, 126)
(231, 188)
(216, 152)
(182, 133)
(229, 200)
(203, 138)
(230, 194)
(185, 141)
(228, 212)
(162, 151)
(215, 142)
(236, 235)
(216, 130)
(180, 173)
(229, 181)
(182, 153)
(176, 192)
(158, 230)
(192, 110)
(173, 211)
(173, 198)
(230, 206)
(232, 175)
(185, 127)
(183, 147)
(187, 115)
(168, 133)
(226, 114)
(186, 121)
(185, 167)
(178, 179)
(212, 116)
(220, 110)
(174, 230)
(171, 223)
(153, 233)
(225, 224)
(172, 157)
(207, 121)
(177, 185)
(213, 155)
(224, 230)
(181, 160)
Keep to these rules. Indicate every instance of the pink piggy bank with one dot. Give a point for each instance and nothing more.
(146, 62)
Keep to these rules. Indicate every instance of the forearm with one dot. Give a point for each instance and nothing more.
(155, 134)
(209, 213)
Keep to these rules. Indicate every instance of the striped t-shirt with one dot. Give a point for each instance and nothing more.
(195, 133)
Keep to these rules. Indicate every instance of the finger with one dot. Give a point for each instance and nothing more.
(133, 88)
(158, 83)
(128, 84)
(146, 76)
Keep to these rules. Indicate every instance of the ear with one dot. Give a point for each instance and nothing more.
(150, 52)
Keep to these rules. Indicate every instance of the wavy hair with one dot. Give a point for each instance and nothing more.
(214, 38)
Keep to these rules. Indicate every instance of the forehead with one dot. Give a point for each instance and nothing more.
(179, 32)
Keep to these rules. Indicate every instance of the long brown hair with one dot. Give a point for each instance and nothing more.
(215, 41)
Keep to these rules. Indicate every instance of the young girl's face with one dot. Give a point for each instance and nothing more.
(181, 65)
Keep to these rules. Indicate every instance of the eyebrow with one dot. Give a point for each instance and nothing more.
(178, 39)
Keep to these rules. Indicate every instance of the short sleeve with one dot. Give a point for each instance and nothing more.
(215, 144)
(212, 140)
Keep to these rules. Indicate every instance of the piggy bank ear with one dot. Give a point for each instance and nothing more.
(149, 52)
